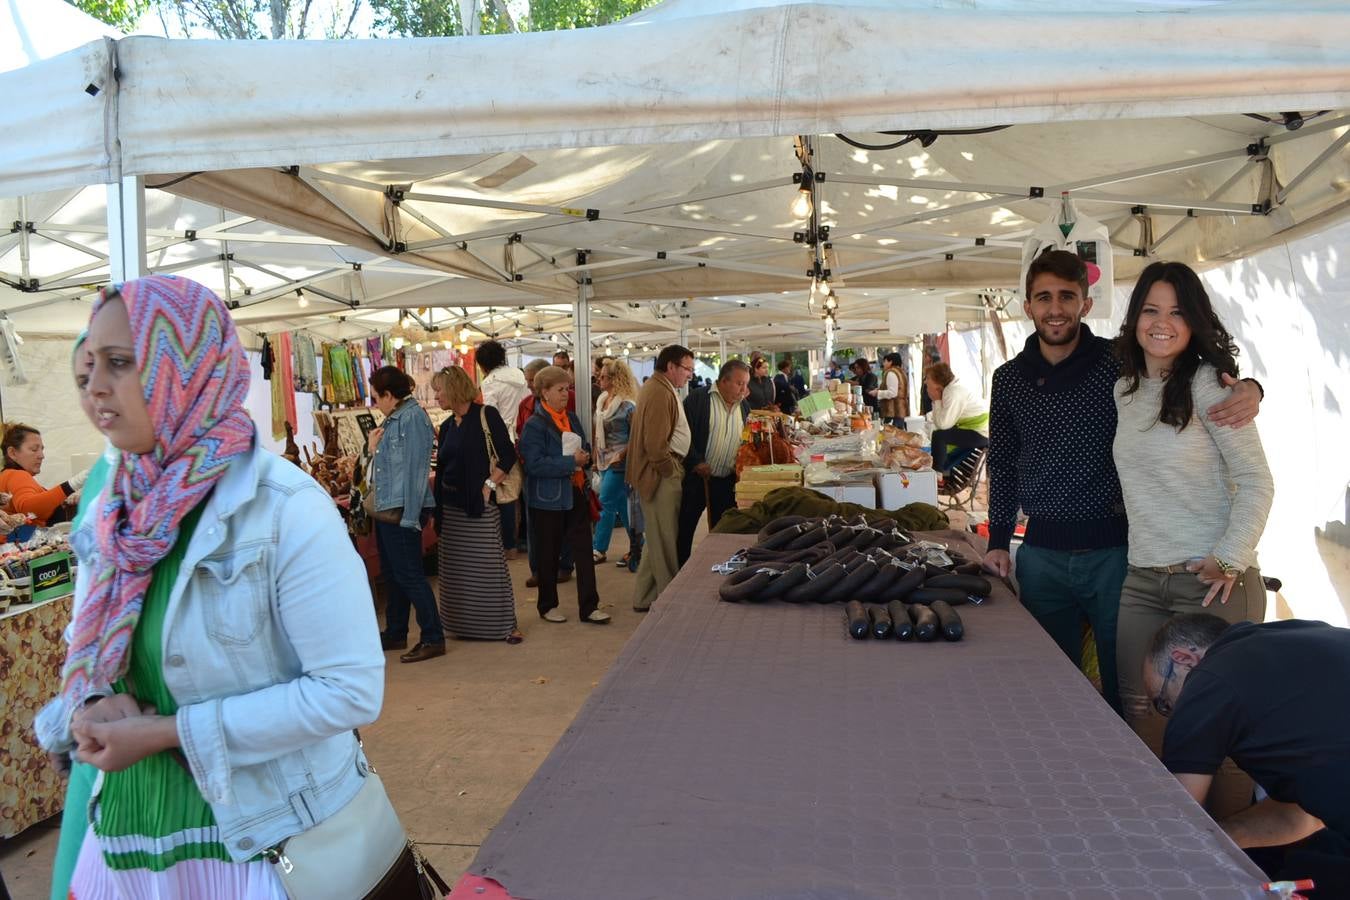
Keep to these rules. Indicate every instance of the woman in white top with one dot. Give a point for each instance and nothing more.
(1196, 495)
(960, 418)
(503, 388)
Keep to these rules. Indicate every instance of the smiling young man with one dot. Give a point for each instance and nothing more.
(1052, 422)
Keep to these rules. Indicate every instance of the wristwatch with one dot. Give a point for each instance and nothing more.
(1228, 569)
(492, 486)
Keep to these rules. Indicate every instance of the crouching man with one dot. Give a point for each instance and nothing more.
(1275, 698)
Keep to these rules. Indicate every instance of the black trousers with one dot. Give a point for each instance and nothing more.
(954, 437)
(721, 497)
(550, 531)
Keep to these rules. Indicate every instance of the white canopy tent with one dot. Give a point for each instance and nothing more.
(634, 181)
(691, 235)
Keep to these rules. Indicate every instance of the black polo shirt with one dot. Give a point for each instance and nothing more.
(1276, 698)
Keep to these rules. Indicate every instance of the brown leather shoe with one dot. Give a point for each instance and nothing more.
(421, 651)
(532, 581)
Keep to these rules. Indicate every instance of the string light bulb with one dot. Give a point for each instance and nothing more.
(517, 330)
(831, 301)
(397, 343)
(801, 207)
(417, 347)
(303, 302)
(464, 335)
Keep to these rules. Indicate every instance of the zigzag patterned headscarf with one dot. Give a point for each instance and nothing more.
(194, 378)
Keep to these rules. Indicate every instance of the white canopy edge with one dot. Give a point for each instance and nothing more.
(809, 68)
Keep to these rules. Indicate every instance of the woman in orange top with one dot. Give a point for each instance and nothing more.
(23, 450)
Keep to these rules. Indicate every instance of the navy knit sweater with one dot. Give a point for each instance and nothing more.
(1050, 435)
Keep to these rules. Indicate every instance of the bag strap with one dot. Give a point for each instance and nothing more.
(487, 435)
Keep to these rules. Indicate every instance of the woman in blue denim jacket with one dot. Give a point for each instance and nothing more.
(613, 418)
(223, 643)
(404, 501)
(554, 490)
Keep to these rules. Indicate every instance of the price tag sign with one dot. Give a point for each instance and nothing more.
(52, 576)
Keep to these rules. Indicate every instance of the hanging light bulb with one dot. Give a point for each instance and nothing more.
(417, 347)
(398, 343)
(831, 301)
(464, 334)
(303, 301)
(463, 348)
(517, 330)
(626, 351)
(405, 322)
(801, 204)
(630, 345)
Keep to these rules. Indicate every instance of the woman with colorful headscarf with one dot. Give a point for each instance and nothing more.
(224, 643)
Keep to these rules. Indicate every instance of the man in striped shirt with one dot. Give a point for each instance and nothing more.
(716, 417)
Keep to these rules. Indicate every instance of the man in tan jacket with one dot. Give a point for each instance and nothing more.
(657, 445)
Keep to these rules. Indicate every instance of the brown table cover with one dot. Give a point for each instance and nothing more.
(756, 751)
(31, 656)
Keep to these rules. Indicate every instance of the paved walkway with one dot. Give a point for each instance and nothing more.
(459, 736)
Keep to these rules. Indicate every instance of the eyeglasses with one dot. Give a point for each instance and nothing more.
(1161, 704)
(689, 369)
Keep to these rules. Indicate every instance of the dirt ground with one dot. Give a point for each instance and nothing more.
(459, 736)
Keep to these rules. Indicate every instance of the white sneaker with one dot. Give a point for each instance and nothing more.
(597, 618)
(553, 616)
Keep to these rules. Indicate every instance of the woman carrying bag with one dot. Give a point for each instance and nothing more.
(475, 460)
(224, 644)
(556, 458)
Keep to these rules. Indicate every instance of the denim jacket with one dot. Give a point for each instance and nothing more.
(548, 474)
(271, 651)
(403, 463)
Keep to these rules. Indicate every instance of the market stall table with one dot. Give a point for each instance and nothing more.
(746, 750)
(31, 657)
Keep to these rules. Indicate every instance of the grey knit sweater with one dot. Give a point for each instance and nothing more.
(1190, 493)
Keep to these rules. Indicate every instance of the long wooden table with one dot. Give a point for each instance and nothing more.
(755, 751)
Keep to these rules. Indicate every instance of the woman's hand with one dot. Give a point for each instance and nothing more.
(374, 440)
(1208, 571)
(583, 459)
(117, 745)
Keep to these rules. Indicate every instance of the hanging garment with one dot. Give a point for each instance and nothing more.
(267, 359)
(283, 387)
(340, 367)
(305, 364)
(375, 350)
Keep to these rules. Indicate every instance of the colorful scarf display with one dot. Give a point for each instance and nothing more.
(194, 378)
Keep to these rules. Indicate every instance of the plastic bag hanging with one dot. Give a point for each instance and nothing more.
(1088, 238)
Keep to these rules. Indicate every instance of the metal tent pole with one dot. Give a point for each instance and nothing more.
(581, 359)
(126, 228)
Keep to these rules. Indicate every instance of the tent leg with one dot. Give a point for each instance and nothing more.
(126, 229)
(581, 347)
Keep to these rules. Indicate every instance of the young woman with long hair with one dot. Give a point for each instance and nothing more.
(1196, 494)
(613, 414)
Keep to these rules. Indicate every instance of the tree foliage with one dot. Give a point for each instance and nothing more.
(257, 19)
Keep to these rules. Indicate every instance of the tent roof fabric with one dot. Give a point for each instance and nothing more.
(787, 68)
(475, 174)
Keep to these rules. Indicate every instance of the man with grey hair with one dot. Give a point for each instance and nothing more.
(716, 415)
(1274, 698)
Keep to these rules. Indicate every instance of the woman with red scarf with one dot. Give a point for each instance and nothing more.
(556, 458)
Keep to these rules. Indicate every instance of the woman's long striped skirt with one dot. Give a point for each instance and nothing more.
(475, 594)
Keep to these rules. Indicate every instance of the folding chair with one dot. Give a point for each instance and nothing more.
(962, 482)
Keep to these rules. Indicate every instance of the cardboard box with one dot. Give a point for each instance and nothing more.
(895, 489)
(861, 494)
